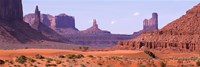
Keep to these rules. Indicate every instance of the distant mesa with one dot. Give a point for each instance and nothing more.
(95, 29)
(44, 28)
(181, 34)
(65, 26)
(65, 21)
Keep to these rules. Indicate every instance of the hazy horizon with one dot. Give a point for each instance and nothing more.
(118, 17)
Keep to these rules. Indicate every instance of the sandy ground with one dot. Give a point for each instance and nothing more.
(6, 54)
(123, 58)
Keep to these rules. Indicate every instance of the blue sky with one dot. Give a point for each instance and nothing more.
(117, 16)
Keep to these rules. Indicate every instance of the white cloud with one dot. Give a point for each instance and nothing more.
(112, 22)
(136, 14)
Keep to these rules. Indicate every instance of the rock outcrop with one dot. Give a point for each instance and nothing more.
(182, 34)
(95, 29)
(152, 23)
(44, 29)
(11, 10)
(12, 27)
(46, 19)
(149, 25)
(65, 21)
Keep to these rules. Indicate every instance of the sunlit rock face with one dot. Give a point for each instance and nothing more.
(182, 34)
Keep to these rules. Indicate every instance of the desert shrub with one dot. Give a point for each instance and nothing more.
(35, 66)
(38, 56)
(84, 48)
(61, 56)
(162, 64)
(58, 61)
(115, 57)
(151, 54)
(90, 56)
(31, 60)
(198, 63)
(21, 59)
(47, 65)
(70, 56)
(49, 60)
(194, 58)
(79, 56)
(141, 65)
(1, 61)
(82, 65)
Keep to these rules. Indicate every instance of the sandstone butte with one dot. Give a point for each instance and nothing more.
(182, 34)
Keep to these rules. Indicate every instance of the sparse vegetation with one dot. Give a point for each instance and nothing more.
(194, 58)
(47, 65)
(21, 59)
(38, 56)
(142, 65)
(31, 60)
(61, 56)
(79, 56)
(115, 57)
(198, 63)
(82, 65)
(151, 54)
(162, 64)
(58, 61)
(84, 48)
(1, 61)
(49, 60)
(90, 56)
(70, 56)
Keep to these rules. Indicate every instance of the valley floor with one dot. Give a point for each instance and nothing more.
(72, 58)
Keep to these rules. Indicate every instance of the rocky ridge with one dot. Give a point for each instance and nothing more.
(183, 34)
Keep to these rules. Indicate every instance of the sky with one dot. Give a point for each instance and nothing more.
(116, 16)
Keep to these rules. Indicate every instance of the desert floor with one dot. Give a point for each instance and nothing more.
(117, 58)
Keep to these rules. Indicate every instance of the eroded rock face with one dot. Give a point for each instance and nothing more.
(95, 29)
(64, 21)
(44, 29)
(12, 27)
(152, 23)
(11, 10)
(182, 34)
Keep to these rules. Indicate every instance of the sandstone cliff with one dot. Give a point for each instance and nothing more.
(12, 27)
(182, 34)
(95, 29)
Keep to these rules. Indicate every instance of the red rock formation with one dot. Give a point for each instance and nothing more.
(11, 10)
(152, 23)
(12, 27)
(95, 29)
(45, 30)
(182, 34)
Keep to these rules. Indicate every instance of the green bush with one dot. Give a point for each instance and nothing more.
(47, 65)
(38, 56)
(49, 60)
(61, 56)
(1, 61)
(31, 60)
(21, 59)
(79, 56)
(82, 65)
(70, 56)
(90, 56)
(151, 54)
(198, 63)
(162, 64)
(141, 65)
(58, 62)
